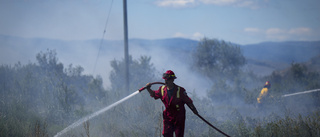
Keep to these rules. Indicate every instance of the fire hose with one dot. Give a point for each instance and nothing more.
(212, 125)
(143, 88)
(150, 85)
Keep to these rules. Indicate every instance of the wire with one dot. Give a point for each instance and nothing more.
(101, 41)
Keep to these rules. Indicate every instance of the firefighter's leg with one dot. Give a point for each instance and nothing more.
(179, 129)
(179, 126)
(167, 128)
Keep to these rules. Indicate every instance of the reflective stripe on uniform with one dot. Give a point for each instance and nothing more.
(162, 91)
(178, 93)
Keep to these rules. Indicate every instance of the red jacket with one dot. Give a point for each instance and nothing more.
(175, 109)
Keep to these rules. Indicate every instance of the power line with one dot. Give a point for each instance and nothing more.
(101, 41)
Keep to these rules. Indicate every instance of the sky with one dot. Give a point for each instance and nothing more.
(237, 21)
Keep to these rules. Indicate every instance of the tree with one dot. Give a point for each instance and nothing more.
(139, 112)
(141, 71)
(217, 58)
(45, 92)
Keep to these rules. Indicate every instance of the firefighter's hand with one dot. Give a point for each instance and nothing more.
(193, 108)
(195, 111)
(148, 86)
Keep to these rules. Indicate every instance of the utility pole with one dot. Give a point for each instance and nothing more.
(126, 54)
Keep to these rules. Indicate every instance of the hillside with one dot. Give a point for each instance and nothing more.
(285, 52)
(262, 58)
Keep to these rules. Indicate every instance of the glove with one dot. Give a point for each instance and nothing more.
(195, 111)
(148, 85)
(193, 108)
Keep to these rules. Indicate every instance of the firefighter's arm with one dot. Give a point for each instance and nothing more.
(188, 101)
(193, 108)
(151, 92)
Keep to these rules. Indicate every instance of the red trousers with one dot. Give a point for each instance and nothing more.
(173, 125)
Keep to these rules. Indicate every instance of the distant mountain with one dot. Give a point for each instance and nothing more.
(180, 44)
(283, 52)
(279, 52)
(262, 58)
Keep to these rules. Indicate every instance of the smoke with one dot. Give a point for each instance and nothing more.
(97, 113)
(163, 57)
(95, 62)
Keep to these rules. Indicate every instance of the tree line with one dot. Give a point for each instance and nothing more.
(40, 99)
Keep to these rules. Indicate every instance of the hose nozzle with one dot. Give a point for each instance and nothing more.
(143, 88)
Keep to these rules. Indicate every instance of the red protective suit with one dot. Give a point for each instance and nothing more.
(175, 114)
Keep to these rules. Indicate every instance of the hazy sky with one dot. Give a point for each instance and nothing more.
(238, 21)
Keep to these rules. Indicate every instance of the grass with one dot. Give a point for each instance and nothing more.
(298, 126)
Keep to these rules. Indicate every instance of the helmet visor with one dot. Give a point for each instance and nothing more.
(168, 76)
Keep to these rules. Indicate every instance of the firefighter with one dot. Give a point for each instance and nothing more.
(173, 97)
(264, 93)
